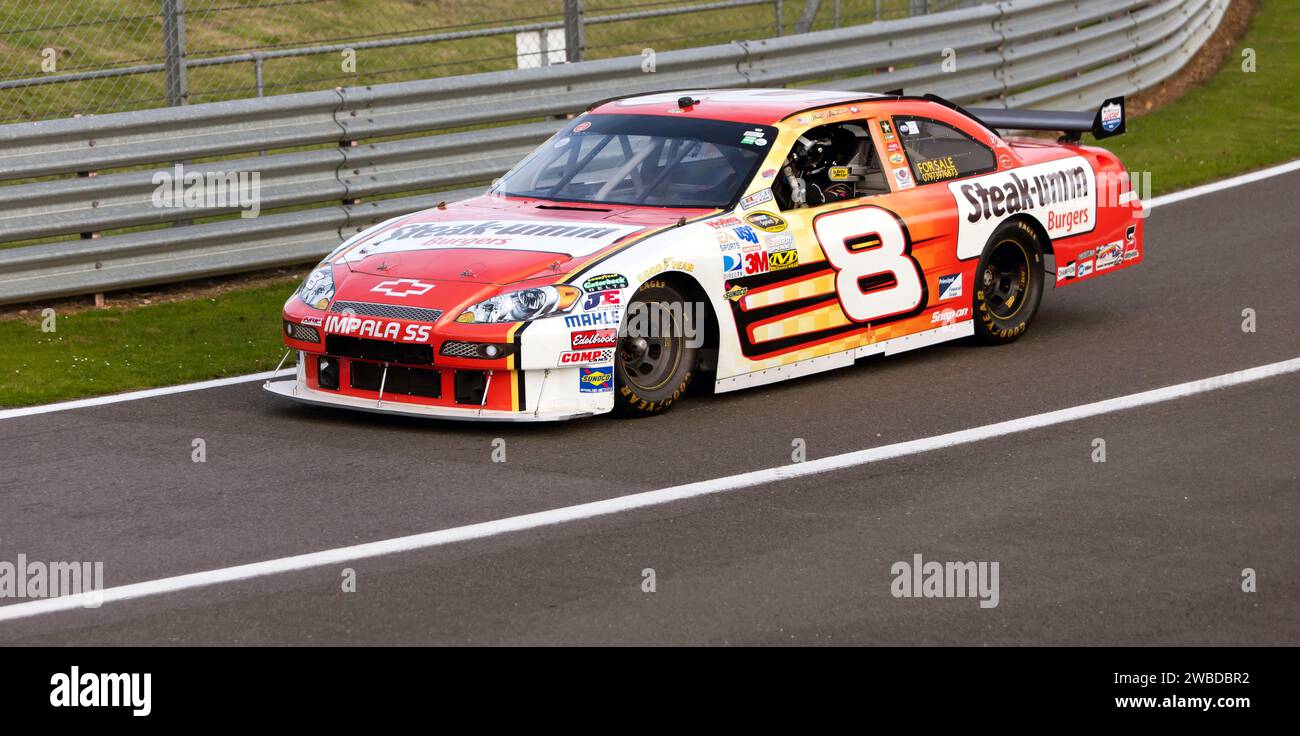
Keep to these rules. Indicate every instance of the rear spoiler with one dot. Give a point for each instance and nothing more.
(1106, 122)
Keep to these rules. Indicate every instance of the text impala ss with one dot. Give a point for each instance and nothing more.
(734, 237)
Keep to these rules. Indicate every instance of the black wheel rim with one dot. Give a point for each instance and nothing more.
(1006, 279)
(650, 361)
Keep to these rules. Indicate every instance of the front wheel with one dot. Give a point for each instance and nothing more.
(1008, 284)
(656, 360)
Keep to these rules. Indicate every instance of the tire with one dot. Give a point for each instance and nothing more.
(653, 370)
(1008, 284)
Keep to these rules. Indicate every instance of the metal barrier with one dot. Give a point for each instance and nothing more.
(332, 163)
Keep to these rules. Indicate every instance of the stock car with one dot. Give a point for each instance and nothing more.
(722, 238)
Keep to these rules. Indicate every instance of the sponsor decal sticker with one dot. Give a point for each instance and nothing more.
(782, 257)
(311, 321)
(598, 299)
(768, 173)
(587, 339)
(581, 126)
(595, 380)
(605, 281)
(753, 138)
(735, 293)
(667, 264)
(949, 286)
(1085, 268)
(909, 128)
(578, 357)
(746, 233)
(1065, 272)
(896, 159)
(733, 261)
(722, 222)
(755, 260)
(766, 221)
(886, 128)
(1130, 243)
(602, 318)
(1059, 194)
(948, 316)
(755, 199)
(1110, 254)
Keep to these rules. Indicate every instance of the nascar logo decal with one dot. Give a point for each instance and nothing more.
(766, 221)
(1112, 116)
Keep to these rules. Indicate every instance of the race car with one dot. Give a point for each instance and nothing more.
(720, 239)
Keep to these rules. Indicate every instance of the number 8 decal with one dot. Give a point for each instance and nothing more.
(836, 231)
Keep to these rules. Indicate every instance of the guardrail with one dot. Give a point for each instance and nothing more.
(332, 163)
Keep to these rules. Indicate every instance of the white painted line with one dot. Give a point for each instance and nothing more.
(149, 393)
(1235, 181)
(638, 500)
(1218, 186)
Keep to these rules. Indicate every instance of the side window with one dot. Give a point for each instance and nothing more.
(939, 152)
(829, 163)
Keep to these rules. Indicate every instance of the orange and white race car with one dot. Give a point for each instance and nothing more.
(726, 238)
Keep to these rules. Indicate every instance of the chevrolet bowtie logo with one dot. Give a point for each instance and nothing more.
(402, 287)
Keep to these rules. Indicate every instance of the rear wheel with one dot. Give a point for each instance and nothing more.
(655, 361)
(1008, 284)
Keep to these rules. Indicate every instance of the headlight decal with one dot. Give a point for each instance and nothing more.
(522, 305)
(318, 288)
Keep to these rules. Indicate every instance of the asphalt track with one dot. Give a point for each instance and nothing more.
(1146, 548)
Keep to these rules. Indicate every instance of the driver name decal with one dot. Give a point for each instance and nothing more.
(570, 237)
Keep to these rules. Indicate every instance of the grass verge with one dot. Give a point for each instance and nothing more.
(1237, 122)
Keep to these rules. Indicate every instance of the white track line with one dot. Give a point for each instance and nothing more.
(640, 500)
(1217, 186)
(148, 393)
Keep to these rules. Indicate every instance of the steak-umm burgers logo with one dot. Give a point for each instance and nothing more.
(1060, 195)
(1020, 194)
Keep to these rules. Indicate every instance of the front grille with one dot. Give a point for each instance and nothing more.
(382, 351)
(301, 332)
(387, 311)
(404, 381)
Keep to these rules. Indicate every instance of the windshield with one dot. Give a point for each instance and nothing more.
(642, 160)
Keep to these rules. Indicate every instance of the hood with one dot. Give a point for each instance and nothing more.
(499, 240)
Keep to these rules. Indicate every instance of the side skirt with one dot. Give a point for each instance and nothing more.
(845, 358)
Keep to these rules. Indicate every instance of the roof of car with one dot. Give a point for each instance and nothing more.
(759, 106)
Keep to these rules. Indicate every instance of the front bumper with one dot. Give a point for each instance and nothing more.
(537, 395)
(292, 389)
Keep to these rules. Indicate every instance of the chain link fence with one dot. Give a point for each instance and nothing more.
(63, 58)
